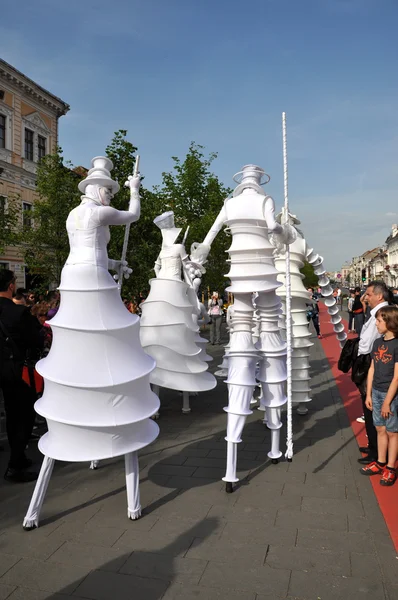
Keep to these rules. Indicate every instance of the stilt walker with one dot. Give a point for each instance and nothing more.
(250, 216)
(97, 399)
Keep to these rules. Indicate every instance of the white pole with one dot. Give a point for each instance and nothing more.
(127, 231)
(289, 441)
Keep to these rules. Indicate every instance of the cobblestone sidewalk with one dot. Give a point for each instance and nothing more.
(305, 530)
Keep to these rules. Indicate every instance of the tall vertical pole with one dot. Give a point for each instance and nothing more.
(289, 441)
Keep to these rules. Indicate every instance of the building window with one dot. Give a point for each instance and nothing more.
(41, 146)
(2, 131)
(29, 144)
(27, 215)
(4, 265)
(3, 204)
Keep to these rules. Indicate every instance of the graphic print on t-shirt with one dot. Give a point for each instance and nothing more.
(382, 354)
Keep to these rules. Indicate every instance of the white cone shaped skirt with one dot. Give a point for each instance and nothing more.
(97, 398)
(168, 333)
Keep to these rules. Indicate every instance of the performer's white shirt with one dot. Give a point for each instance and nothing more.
(369, 332)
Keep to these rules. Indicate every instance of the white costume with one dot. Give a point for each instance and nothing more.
(249, 215)
(97, 398)
(169, 320)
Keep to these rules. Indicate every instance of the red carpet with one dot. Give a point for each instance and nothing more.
(386, 497)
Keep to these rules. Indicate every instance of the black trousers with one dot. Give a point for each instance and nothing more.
(19, 401)
(370, 428)
(315, 320)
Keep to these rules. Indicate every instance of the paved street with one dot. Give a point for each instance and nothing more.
(306, 530)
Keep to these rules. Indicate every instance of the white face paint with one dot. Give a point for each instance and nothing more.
(105, 195)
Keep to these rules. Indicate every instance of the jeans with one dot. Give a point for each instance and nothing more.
(359, 320)
(19, 400)
(391, 424)
(369, 426)
(215, 329)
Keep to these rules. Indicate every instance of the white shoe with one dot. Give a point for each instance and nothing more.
(361, 419)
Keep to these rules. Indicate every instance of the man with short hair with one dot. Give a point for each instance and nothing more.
(19, 332)
(377, 295)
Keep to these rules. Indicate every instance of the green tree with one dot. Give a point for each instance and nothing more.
(143, 246)
(310, 279)
(196, 196)
(45, 240)
(10, 221)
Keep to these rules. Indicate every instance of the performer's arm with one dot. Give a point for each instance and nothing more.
(215, 228)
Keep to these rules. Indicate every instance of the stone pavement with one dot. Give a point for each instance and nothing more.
(306, 530)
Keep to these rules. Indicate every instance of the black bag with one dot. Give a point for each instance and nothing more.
(360, 368)
(10, 364)
(348, 354)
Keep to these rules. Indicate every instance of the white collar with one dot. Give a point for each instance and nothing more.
(376, 308)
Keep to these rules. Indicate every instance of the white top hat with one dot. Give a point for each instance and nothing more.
(100, 174)
(165, 222)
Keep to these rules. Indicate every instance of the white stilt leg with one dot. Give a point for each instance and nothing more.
(133, 485)
(232, 457)
(156, 390)
(185, 403)
(31, 519)
(94, 464)
(274, 424)
(302, 409)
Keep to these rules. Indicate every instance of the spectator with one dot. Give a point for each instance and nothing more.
(358, 310)
(30, 299)
(377, 295)
(381, 398)
(18, 334)
(215, 313)
(350, 311)
(19, 299)
(313, 312)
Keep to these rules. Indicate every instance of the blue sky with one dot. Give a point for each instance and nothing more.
(220, 72)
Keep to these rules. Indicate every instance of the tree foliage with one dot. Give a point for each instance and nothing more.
(45, 241)
(310, 279)
(196, 196)
(143, 246)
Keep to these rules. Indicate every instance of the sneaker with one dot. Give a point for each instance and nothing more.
(389, 477)
(361, 419)
(320, 336)
(372, 468)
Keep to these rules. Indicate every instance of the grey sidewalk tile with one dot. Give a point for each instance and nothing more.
(91, 534)
(225, 550)
(117, 519)
(175, 470)
(92, 557)
(333, 507)
(100, 585)
(392, 590)
(24, 593)
(272, 474)
(242, 513)
(314, 585)
(178, 591)
(256, 533)
(376, 524)
(307, 520)
(166, 568)
(179, 482)
(7, 561)
(158, 543)
(315, 490)
(44, 575)
(24, 543)
(6, 590)
(365, 566)
(257, 579)
(210, 495)
(182, 525)
(332, 563)
(334, 541)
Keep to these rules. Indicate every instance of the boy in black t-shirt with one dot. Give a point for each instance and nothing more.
(382, 396)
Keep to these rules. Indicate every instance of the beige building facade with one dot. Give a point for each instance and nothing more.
(28, 131)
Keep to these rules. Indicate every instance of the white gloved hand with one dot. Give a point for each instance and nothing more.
(287, 236)
(199, 253)
(122, 267)
(133, 182)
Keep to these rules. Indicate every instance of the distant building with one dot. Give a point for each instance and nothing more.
(28, 131)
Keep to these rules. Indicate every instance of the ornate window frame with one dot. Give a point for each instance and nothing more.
(35, 123)
(8, 113)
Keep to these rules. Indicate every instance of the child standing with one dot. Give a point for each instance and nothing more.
(382, 398)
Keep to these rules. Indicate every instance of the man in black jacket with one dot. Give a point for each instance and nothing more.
(23, 329)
